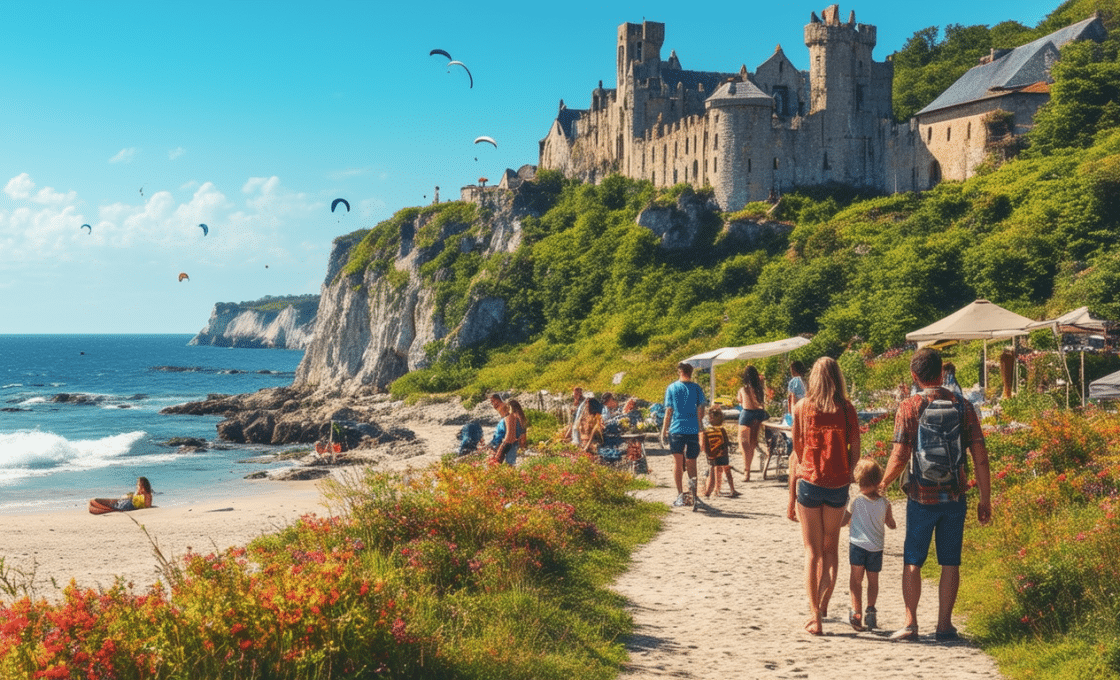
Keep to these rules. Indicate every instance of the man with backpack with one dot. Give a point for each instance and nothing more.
(932, 429)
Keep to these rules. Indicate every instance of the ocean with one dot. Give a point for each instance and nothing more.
(59, 454)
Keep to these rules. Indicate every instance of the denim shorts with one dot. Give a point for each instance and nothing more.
(813, 496)
(923, 522)
(511, 454)
(871, 560)
(688, 444)
(751, 416)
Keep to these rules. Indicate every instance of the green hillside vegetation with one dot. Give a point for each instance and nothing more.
(276, 303)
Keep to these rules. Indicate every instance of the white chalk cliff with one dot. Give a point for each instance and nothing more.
(377, 323)
(275, 323)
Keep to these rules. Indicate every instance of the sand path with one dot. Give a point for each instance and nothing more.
(720, 595)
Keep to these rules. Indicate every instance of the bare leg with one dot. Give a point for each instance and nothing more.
(755, 429)
(747, 450)
(855, 587)
(730, 483)
(911, 592)
(678, 471)
(947, 597)
(100, 506)
(832, 517)
(713, 477)
(812, 534)
(872, 588)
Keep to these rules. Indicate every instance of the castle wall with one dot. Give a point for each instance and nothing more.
(957, 137)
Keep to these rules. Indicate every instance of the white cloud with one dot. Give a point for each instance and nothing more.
(20, 186)
(175, 153)
(124, 155)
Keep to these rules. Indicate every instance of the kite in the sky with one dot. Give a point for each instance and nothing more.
(343, 201)
(486, 139)
(205, 229)
(452, 63)
(88, 228)
(183, 276)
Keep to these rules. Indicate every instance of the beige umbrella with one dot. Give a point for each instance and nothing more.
(1077, 321)
(979, 320)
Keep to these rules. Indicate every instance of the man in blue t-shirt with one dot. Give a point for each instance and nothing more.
(684, 410)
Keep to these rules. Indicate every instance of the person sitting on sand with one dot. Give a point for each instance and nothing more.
(130, 501)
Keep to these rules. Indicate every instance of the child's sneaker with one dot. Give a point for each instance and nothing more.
(682, 500)
(869, 618)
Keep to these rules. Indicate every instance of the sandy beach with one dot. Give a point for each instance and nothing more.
(720, 593)
(717, 594)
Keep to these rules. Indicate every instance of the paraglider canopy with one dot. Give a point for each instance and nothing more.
(439, 51)
(483, 181)
(452, 63)
(343, 201)
(205, 229)
(486, 139)
(183, 276)
(88, 228)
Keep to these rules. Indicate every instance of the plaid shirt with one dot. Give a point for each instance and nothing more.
(906, 434)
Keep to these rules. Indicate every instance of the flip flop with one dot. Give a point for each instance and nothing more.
(907, 634)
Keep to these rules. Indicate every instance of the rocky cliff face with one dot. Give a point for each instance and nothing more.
(275, 323)
(375, 324)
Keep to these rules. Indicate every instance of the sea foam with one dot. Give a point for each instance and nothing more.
(29, 452)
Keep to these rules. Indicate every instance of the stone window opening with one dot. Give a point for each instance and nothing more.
(714, 164)
(948, 133)
(968, 131)
(929, 134)
(775, 162)
(674, 176)
(695, 170)
(748, 165)
(715, 141)
(686, 145)
(824, 166)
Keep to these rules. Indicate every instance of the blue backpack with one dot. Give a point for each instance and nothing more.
(939, 456)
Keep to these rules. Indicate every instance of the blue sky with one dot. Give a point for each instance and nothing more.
(144, 119)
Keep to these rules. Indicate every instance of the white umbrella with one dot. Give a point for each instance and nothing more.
(715, 357)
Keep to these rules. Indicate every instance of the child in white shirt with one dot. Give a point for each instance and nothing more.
(867, 514)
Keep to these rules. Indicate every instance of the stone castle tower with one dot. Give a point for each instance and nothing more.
(748, 135)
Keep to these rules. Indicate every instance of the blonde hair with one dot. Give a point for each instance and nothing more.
(715, 416)
(868, 472)
(826, 390)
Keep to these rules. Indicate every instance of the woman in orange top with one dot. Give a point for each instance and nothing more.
(142, 498)
(825, 450)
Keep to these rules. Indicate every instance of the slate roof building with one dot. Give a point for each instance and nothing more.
(752, 136)
(994, 102)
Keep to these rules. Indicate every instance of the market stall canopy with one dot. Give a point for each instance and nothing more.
(1077, 321)
(715, 357)
(1107, 387)
(980, 320)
